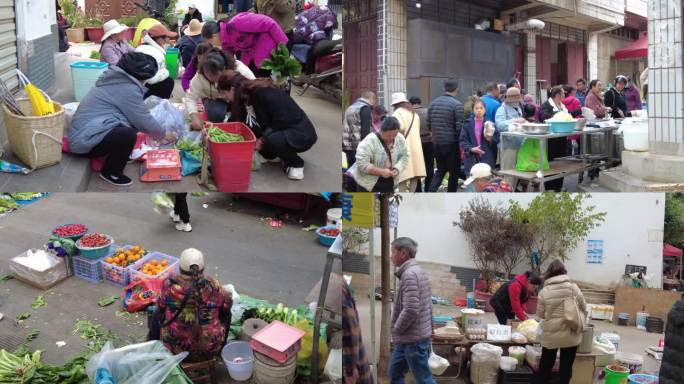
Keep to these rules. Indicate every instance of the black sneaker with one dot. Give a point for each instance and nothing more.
(119, 181)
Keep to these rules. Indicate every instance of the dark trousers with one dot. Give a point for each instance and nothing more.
(215, 109)
(162, 90)
(383, 185)
(276, 145)
(351, 159)
(548, 359)
(557, 148)
(503, 317)
(448, 158)
(429, 157)
(242, 5)
(117, 145)
(180, 206)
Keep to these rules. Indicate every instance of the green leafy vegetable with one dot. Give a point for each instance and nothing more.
(6, 278)
(21, 317)
(39, 302)
(32, 335)
(107, 301)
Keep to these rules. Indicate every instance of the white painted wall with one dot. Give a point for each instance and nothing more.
(34, 19)
(632, 232)
(637, 7)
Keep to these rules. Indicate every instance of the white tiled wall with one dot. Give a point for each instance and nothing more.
(666, 72)
(396, 43)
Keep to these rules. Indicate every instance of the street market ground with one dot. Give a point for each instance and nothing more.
(321, 170)
(632, 340)
(279, 265)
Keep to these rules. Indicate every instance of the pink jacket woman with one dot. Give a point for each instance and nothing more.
(252, 36)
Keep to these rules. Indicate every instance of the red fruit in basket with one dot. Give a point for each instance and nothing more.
(69, 230)
(94, 240)
(333, 232)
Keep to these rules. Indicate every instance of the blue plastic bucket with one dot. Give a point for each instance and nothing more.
(642, 379)
(84, 75)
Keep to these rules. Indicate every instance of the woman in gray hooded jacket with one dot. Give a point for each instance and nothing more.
(109, 118)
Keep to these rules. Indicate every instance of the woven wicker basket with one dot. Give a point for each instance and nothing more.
(35, 140)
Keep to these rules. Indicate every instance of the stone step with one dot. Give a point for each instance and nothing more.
(653, 167)
(618, 180)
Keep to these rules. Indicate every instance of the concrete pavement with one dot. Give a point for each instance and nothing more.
(73, 174)
(280, 265)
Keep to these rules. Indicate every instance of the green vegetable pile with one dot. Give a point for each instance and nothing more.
(281, 64)
(281, 313)
(189, 146)
(7, 204)
(220, 136)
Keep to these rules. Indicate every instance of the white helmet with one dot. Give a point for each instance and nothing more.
(190, 257)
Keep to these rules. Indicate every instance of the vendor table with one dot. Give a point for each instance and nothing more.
(562, 167)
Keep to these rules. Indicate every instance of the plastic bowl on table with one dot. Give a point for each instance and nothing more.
(325, 239)
(239, 359)
(75, 237)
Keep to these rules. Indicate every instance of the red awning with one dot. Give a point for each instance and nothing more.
(634, 50)
(671, 251)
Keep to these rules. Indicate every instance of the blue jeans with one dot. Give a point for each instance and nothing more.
(412, 356)
(243, 5)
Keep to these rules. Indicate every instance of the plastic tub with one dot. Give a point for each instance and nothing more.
(642, 379)
(86, 269)
(95, 253)
(561, 126)
(172, 62)
(335, 217)
(508, 363)
(239, 359)
(137, 275)
(84, 74)
(623, 319)
(325, 239)
(615, 377)
(231, 163)
(632, 361)
(635, 133)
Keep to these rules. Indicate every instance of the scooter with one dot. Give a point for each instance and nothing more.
(324, 70)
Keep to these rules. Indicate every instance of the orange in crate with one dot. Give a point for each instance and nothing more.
(161, 165)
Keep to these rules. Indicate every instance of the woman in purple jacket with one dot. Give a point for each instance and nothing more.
(632, 96)
(114, 44)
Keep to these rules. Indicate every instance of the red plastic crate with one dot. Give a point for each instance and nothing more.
(136, 275)
(231, 163)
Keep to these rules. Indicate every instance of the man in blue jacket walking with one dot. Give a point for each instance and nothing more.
(491, 100)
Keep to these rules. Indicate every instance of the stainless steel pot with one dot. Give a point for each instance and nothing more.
(531, 128)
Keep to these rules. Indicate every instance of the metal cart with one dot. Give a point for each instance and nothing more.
(564, 166)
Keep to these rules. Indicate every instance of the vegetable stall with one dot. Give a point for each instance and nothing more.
(597, 142)
(279, 340)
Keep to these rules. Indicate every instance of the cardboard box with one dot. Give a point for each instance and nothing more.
(161, 165)
(498, 25)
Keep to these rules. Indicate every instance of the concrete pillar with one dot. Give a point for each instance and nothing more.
(593, 56)
(662, 167)
(392, 48)
(531, 64)
(665, 78)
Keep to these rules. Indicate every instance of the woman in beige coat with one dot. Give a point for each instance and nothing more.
(410, 128)
(563, 313)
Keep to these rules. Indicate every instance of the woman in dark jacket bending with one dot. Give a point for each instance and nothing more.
(283, 130)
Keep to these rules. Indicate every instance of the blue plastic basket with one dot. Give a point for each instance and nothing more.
(84, 74)
(561, 126)
(325, 239)
(87, 269)
(642, 378)
(95, 253)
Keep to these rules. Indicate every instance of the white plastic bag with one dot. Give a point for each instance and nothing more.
(39, 267)
(603, 346)
(333, 367)
(484, 363)
(437, 363)
(168, 116)
(144, 363)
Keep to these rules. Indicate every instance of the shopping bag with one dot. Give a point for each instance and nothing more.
(141, 294)
(437, 363)
(528, 157)
(40, 102)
